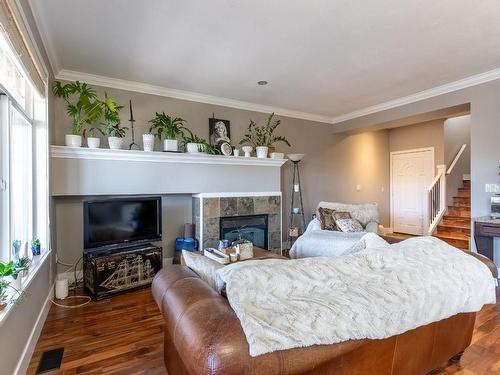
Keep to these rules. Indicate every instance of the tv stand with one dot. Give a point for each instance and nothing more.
(107, 272)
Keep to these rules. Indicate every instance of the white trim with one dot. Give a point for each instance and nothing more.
(159, 157)
(24, 361)
(146, 88)
(464, 83)
(235, 195)
(391, 189)
(457, 157)
(26, 282)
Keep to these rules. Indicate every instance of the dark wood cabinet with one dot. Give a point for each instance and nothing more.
(485, 230)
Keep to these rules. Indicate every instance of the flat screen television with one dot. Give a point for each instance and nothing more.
(118, 222)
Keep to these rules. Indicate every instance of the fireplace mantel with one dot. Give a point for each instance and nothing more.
(84, 172)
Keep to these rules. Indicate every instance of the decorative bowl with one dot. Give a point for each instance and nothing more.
(295, 157)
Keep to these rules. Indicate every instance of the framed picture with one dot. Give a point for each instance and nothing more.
(219, 131)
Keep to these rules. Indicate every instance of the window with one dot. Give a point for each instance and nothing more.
(23, 158)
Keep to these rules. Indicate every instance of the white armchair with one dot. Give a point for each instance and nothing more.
(317, 242)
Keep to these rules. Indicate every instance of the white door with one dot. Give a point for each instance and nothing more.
(411, 174)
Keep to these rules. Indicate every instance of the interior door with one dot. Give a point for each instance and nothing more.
(412, 173)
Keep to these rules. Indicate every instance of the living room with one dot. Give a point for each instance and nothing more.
(134, 114)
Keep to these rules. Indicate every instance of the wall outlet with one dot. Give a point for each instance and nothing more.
(492, 188)
(358, 187)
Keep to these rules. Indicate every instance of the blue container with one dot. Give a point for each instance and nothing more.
(181, 243)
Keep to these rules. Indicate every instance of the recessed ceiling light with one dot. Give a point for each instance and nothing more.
(262, 83)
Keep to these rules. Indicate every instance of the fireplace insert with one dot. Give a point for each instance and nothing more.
(250, 227)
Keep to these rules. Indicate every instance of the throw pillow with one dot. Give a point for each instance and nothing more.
(337, 215)
(326, 218)
(349, 225)
(205, 268)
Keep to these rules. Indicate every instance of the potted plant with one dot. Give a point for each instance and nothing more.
(82, 107)
(263, 137)
(36, 246)
(16, 248)
(92, 140)
(7, 270)
(22, 266)
(194, 144)
(168, 129)
(111, 123)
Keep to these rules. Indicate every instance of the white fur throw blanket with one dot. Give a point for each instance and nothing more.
(374, 294)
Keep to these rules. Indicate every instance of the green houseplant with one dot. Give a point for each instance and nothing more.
(6, 270)
(82, 106)
(194, 144)
(263, 137)
(111, 125)
(169, 129)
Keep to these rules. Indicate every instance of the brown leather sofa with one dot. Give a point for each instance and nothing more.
(204, 336)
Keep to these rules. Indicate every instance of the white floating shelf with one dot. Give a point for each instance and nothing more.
(87, 172)
(158, 157)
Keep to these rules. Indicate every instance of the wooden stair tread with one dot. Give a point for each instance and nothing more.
(454, 236)
(453, 226)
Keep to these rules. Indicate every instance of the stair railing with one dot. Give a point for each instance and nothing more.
(436, 193)
(457, 157)
(436, 198)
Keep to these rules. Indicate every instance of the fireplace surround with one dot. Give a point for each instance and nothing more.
(261, 211)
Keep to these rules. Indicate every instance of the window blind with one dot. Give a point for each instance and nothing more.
(15, 31)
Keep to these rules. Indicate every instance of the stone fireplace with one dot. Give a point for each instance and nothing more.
(255, 216)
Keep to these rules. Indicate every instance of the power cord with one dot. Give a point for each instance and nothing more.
(74, 287)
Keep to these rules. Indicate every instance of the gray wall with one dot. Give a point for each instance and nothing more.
(427, 134)
(456, 134)
(176, 209)
(485, 133)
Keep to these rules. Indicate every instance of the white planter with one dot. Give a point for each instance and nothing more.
(73, 140)
(15, 283)
(247, 150)
(93, 142)
(170, 145)
(277, 155)
(261, 151)
(193, 148)
(115, 143)
(148, 142)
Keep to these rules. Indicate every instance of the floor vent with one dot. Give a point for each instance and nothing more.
(51, 360)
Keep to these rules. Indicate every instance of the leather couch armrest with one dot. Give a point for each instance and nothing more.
(209, 338)
(492, 267)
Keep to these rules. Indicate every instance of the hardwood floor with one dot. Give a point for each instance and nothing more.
(123, 335)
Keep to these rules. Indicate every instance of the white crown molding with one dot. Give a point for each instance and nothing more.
(145, 88)
(474, 80)
(46, 40)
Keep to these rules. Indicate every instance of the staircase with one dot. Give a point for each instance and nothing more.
(454, 227)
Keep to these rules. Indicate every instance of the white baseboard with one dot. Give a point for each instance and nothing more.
(24, 361)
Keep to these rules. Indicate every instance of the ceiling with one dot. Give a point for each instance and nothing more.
(323, 58)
